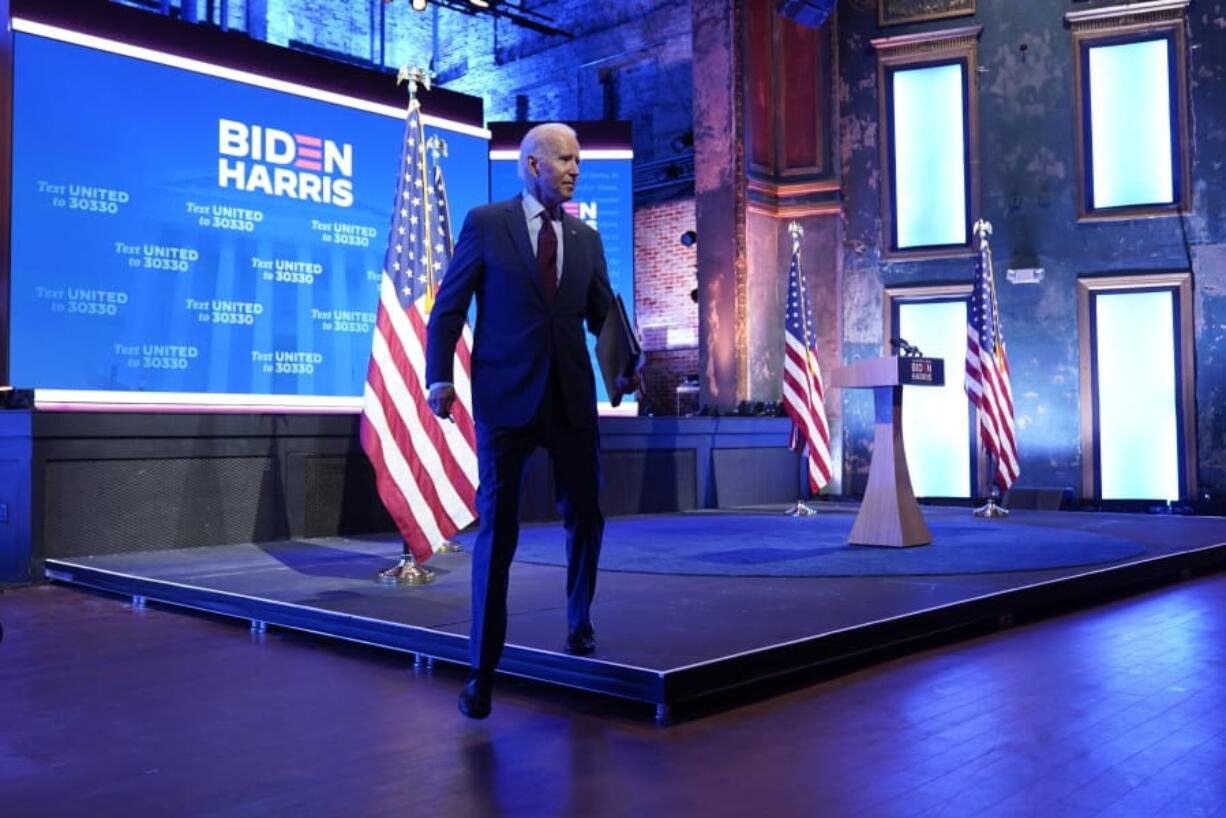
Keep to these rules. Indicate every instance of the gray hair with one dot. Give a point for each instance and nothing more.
(533, 139)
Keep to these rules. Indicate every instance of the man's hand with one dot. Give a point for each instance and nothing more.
(441, 397)
(628, 383)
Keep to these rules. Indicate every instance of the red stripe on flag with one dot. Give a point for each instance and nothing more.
(429, 421)
(430, 479)
(459, 411)
(996, 408)
(422, 479)
(807, 410)
(393, 499)
(812, 394)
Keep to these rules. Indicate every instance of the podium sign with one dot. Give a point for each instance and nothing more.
(889, 515)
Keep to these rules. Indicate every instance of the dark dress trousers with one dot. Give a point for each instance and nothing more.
(532, 385)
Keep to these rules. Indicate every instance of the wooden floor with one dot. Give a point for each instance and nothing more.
(110, 711)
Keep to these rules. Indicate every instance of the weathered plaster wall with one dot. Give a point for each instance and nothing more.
(719, 204)
(1207, 235)
(1029, 193)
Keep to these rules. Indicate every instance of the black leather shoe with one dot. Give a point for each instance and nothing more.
(475, 697)
(581, 643)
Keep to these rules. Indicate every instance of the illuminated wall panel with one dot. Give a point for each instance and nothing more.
(936, 420)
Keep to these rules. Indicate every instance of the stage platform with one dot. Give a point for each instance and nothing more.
(691, 604)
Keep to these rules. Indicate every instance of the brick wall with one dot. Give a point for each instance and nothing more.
(664, 372)
(343, 28)
(628, 60)
(667, 315)
(358, 30)
(665, 275)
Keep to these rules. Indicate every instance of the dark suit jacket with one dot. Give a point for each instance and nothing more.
(518, 335)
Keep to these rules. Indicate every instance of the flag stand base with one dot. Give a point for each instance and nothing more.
(990, 510)
(406, 572)
(801, 510)
(448, 547)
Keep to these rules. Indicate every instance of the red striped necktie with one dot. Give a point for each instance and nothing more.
(547, 256)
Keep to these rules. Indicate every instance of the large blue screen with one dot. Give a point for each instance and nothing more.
(175, 231)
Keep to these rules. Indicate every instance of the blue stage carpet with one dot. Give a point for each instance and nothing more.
(777, 545)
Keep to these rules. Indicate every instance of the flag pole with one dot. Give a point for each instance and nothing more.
(991, 510)
(801, 509)
(438, 147)
(407, 571)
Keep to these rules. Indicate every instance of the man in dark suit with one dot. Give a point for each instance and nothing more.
(538, 274)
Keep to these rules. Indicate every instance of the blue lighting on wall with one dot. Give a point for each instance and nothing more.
(1130, 124)
(929, 156)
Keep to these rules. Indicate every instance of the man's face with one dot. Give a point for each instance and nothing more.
(555, 168)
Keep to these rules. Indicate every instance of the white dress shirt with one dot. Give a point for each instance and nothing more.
(532, 213)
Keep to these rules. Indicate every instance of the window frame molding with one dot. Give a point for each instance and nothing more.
(1133, 22)
(909, 293)
(914, 51)
(1185, 367)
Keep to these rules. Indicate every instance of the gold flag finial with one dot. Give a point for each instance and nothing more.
(796, 231)
(982, 229)
(414, 76)
(437, 146)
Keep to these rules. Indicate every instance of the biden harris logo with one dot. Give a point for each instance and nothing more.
(585, 211)
(266, 160)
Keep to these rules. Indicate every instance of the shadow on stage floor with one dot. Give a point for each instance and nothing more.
(688, 605)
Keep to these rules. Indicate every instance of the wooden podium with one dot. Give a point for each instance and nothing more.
(889, 515)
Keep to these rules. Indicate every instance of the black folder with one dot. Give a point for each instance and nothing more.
(617, 349)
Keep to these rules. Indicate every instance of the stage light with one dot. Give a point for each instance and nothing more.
(689, 238)
(810, 13)
(516, 14)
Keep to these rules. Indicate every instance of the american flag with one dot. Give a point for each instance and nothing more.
(425, 467)
(803, 393)
(987, 368)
